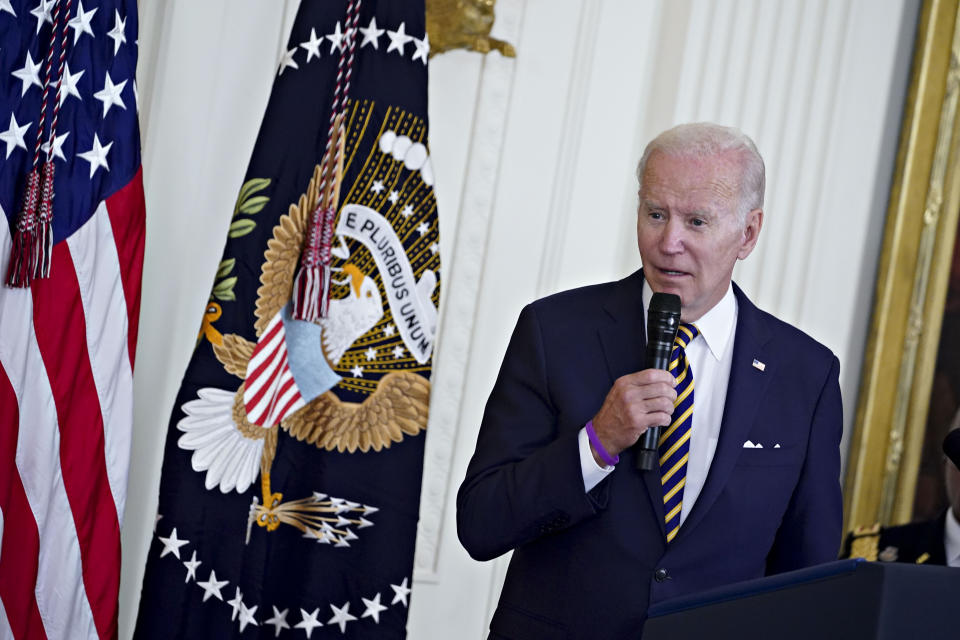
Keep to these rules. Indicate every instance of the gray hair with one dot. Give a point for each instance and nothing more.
(703, 139)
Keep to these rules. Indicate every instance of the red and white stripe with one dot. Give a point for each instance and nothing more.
(66, 414)
(270, 393)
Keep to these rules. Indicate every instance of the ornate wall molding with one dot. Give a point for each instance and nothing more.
(462, 289)
(568, 155)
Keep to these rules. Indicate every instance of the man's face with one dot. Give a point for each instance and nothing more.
(688, 231)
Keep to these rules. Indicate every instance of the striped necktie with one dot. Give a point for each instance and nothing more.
(674, 446)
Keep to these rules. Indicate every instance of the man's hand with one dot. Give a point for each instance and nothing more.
(635, 403)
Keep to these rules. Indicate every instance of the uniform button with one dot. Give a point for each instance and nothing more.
(661, 575)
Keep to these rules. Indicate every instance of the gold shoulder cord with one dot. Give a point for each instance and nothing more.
(866, 542)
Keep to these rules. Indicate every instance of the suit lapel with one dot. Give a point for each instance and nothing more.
(624, 343)
(623, 337)
(746, 387)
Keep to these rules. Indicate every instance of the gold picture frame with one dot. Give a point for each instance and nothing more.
(912, 279)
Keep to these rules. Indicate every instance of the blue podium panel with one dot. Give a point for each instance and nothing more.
(847, 599)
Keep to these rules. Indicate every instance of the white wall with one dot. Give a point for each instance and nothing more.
(534, 162)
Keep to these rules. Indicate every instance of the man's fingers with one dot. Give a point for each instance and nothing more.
(647, 412)
(649, 377)
(636, 402)
(662, 419)
(667, 419)
(649, 392)
(653, 419)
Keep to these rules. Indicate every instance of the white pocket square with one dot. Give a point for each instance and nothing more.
(751, 445)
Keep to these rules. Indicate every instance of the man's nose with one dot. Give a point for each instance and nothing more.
(671, 240)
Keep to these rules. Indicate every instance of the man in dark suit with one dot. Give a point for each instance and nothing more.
(748, 482)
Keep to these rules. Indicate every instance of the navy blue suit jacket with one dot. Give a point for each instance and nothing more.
(588, 565)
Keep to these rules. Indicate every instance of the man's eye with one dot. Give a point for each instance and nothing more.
(656, 215)
(698, 222)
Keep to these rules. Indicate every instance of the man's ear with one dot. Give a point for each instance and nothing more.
(751, 233)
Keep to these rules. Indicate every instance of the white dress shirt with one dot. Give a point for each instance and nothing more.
(951, 539)
(710, 355)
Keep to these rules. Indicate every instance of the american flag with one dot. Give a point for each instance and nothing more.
(67, 341)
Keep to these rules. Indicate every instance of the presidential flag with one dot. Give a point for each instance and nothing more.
(291, 478)
(72, 247)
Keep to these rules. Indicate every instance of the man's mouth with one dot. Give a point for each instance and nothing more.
(673, 273)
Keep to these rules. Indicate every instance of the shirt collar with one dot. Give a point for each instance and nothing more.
(716, 325)
(951, 539)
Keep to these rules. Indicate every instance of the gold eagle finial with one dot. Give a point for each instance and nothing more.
(463, 24)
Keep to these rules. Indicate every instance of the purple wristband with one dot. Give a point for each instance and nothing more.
(598, 446)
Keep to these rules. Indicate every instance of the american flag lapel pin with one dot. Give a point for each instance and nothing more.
(758, 365)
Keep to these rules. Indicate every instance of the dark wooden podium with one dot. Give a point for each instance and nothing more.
(848, 600)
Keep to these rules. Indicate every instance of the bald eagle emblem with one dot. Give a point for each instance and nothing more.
(303, 379)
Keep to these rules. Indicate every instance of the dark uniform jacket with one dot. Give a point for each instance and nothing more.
(917, 542)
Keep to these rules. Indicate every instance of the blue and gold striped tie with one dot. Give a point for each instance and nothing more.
(674, 446)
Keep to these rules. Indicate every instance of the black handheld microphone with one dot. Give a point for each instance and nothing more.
(663, 320)
(951, 447)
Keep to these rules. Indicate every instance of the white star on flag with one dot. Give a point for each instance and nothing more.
(377, 186)
(371, 35)
(423, 228)
(401, 592)
(398, 39)
(394, 196)
(246, 617)
(191, 566)
(308, 622)
(211, 586)
(398, 352)
(29, 74)
(236, 603)
(110, 94)
(373, 608)
(422, 48)
(68, 86)
(13, 136)
(287, 61)
(42, 13)
(336, 38)
(119, 37)
(97, 157)
(6, 6)
(357, 371)
(434, 248)
(407, 211)
(371, 353)
(312, 45)
(279, 621)
(388, 330)
(341, 616)
(172, 544)
(80, 23)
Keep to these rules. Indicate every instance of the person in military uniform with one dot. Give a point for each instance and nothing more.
(934, 541)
